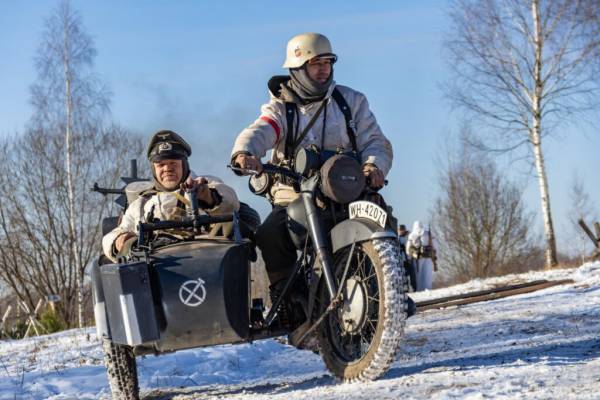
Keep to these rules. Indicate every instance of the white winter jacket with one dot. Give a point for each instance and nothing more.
(165, 209)
(270, 129)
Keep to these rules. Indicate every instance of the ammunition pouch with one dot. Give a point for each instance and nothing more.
(426, 252)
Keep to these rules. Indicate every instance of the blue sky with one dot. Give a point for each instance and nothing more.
(201, 68)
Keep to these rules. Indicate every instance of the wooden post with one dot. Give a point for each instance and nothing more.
(25, 309)
(33, 322)
(3, 322)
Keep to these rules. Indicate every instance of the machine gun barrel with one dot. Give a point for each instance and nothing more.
(106, 191)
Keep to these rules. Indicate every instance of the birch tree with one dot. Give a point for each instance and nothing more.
(523, 69)
(69, 102)
(68, 97)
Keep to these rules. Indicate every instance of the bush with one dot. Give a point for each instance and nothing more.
(51, 321)
(18, 330)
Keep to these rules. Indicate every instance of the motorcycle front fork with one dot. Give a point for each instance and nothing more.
(317, 234)
(319, 243)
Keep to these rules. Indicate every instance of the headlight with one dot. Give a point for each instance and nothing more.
(342, 179)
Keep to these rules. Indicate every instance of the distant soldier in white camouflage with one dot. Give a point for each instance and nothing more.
(408, 264)
(419, 247)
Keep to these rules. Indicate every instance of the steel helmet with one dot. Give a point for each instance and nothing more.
(305, 46)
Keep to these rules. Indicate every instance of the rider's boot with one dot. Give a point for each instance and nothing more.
(411, 307)
(282, 319)
(298, 337)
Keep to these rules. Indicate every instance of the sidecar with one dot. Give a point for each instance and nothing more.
(174, 293)
(188, 294)
(185, 294)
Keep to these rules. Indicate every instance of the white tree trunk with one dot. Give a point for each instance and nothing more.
(551, 258)
(70, 189)
(536, 138)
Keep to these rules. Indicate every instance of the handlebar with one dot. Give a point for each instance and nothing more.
(269, 169)
(274, 169)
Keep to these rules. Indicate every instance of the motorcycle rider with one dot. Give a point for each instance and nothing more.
(307, 108)
(168, 155)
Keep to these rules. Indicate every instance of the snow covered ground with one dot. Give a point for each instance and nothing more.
(540, 345)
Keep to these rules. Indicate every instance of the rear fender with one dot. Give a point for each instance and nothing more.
(355, 231)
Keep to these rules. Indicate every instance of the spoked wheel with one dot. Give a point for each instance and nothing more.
(360, 338)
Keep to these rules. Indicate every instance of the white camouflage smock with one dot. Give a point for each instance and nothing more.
(270, 129)
(418, 238)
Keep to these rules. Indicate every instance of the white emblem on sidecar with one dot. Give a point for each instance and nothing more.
(192, 293)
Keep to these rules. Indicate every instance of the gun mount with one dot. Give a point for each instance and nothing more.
(122, 199)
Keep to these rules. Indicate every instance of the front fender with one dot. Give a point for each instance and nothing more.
(357, 230)
(102, 327)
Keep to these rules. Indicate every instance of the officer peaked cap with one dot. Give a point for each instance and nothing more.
(167, 145)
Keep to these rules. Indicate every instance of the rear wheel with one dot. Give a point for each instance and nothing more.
(121, 369)
(360, 338)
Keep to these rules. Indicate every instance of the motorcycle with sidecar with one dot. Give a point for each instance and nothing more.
(348, 282)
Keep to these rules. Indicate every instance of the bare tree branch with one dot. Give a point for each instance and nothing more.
(523, 68)
(49, 220)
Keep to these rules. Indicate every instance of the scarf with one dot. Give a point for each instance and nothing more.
(302, 89)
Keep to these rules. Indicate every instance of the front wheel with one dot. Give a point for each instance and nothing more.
(121, 369)
(360, 338)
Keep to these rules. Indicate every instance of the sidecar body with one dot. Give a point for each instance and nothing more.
(188, 294)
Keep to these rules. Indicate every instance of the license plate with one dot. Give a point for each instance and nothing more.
(368, 210)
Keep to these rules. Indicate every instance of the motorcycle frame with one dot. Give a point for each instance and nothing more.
(320, 246)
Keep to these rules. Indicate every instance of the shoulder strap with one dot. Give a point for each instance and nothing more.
(290, 113)
(292, 142)
(350, 125)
